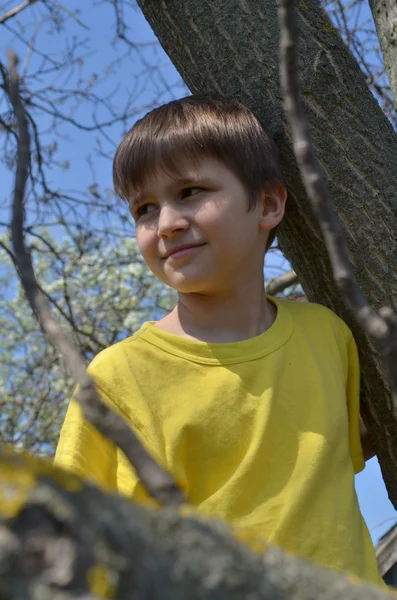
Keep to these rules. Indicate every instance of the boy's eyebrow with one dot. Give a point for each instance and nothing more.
(176, 182)
(183, 181)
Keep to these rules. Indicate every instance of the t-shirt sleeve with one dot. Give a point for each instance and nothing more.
(353, 406)
(85, 451)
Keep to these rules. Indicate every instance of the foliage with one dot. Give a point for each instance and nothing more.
(102, 294)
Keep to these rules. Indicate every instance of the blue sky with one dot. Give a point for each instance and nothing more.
(77, 145)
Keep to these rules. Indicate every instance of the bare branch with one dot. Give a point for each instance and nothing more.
(279, 284)
(15, 11)
(384, 13)
(382, 327)
(352, 22)
(158, 482)
(10, 254)
(71, 14)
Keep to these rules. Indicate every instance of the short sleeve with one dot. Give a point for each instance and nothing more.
(85, 451)
(353, 406)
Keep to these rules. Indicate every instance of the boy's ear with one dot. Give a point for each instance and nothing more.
(272, 201)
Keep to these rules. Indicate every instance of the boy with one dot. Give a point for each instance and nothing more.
(251, 402)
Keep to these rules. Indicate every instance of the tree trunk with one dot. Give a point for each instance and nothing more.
(384, 13)
(232, 48)
(61, 540)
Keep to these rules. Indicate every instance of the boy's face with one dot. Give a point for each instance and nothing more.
(205, 211)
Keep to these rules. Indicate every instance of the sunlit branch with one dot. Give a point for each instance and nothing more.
(15, 11)
(156, 480)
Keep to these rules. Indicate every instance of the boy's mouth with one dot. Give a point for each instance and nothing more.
(181, 251)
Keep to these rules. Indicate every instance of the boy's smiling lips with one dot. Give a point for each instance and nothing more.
(181, 250)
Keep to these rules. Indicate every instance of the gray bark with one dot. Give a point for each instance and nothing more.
(63, 540)
(232, 48)
(384, 13)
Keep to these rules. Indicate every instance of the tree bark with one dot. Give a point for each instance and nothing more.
(61, 539)
(384, 13)
(232, 48)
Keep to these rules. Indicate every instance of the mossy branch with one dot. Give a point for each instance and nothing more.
(61, 538)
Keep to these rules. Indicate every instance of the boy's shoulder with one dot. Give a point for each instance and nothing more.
(316, 317)
(118, 352)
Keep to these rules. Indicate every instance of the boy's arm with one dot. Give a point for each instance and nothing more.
(360, 438)
(366, 441)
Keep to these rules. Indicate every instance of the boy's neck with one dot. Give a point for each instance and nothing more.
(220, 320)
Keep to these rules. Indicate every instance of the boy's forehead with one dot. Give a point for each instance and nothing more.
(185, 171)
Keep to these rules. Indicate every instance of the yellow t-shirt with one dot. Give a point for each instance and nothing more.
(263, 433)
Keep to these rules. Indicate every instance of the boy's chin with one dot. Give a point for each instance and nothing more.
(188, 284)
(190, 287)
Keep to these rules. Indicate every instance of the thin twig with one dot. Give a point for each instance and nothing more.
(157, 481)
(382, 327)
(71, 14)
(279, 284)
(14, 11)
(381, 523)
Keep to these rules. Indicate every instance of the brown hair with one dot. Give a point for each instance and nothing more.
(195, 127)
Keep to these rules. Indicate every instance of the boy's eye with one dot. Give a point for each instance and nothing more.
(190, 191)
(144, 209)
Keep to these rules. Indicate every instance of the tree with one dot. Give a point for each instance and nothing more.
(74, 99)
(219, 49)
(353, 22)
(73, 218)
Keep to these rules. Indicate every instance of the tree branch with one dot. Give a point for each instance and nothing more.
(15, 11)
(158, 482)
(384, 13)
(64, 539)
(382, 327)
(279, 284)
(72, 14)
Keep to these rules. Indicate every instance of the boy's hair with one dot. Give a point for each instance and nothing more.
(194, 127)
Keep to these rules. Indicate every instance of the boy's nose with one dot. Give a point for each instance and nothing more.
(171, 219)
